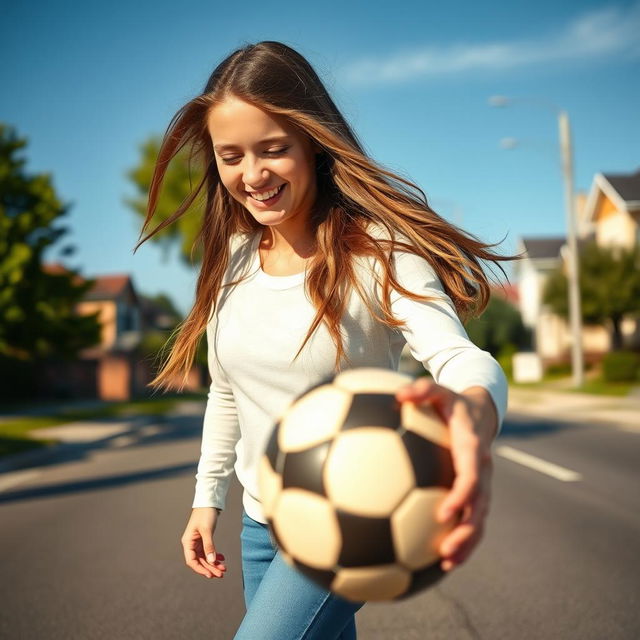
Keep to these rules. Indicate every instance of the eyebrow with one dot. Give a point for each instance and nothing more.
(224, 147)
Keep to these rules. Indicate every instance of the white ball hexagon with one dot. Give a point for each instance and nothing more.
(371, 380)
(368, 471)
(307, 527)
(316, 417)
(378, 583)
(423, 420)
(416, 533)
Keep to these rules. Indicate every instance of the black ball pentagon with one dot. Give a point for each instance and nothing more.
(440, 472)
(303, 469)
(373, 410)
(366, 541)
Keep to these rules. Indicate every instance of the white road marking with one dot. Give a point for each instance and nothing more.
(13, 478)
(538, 464)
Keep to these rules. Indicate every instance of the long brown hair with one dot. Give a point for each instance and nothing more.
(353, 191)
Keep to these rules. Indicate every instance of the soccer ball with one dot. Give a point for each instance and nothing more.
(350, 482)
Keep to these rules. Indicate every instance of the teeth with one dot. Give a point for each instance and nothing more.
(266, 195)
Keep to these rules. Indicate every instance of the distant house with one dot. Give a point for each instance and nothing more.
(610, 215)
(115, 298)
(541, 257)
(114, 369)
(508, 292)
(613, 208)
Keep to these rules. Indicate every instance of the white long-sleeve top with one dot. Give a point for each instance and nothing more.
(259, 326)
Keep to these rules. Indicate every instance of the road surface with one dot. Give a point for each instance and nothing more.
(91, 545)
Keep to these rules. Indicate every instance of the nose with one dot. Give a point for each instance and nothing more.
(254, 173)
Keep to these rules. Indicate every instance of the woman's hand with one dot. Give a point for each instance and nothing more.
(197, 543)
(473, 423)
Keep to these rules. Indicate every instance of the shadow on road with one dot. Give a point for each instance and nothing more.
(171, 428)
(104, 482)
(528, 427)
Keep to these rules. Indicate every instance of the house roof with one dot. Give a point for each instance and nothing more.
(508, 292)
(538, 247)
(627, 186)
(55, 268)
(107, 287)
(623, 190)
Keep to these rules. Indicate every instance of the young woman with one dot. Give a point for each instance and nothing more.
(315, 258)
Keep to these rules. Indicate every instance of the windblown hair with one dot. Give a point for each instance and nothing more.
(353, 191)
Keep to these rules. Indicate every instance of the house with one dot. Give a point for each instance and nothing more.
(115, 368)
(608, 214)
(613, 208)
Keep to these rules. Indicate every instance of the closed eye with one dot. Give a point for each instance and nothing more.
(276, 152)
(271, 153)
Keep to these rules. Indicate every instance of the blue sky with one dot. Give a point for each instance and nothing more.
(86, 83)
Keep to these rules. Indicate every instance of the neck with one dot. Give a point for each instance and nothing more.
(288, 242)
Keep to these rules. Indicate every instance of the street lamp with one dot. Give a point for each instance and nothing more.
(566, 151)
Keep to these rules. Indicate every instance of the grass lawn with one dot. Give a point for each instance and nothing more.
(600, 387)
(14, 432)
(593, 386)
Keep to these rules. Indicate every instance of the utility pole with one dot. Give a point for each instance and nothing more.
(566, 151)
(573, 271)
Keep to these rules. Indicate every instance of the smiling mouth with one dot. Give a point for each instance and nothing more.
(271, 199)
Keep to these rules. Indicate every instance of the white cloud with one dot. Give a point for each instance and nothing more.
(601, 33)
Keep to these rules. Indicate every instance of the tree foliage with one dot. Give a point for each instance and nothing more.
(609, 287)
(499, 327)
(37, 308)
(179, 181)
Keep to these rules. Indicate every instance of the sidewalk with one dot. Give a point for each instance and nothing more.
(83, 434)
(576, 407)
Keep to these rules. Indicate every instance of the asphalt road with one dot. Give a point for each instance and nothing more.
(90, 546)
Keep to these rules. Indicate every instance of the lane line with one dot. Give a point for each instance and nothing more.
(11, 479)
(538, 464)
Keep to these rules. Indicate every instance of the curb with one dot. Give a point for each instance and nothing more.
(45, 454)
(519, 414)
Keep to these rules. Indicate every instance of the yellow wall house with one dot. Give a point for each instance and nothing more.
(610, 214)
(114, 369)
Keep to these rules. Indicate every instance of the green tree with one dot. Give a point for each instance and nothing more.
(178, 183)
(37, 308)
(499, 327)
(609, 287)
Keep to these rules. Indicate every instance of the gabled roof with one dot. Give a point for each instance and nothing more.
(56, 269)
(541, 247)
(107, 287)
(623, 190)
(627, 186)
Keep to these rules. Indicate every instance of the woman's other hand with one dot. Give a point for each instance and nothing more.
(198, 546)
(473, 423)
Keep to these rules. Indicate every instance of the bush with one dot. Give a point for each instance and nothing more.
(621, 366)
(505, 359)
(499, 326)
(559, 370)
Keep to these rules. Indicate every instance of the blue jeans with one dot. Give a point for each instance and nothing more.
(282, 603)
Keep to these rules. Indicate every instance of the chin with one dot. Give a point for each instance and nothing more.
(269, 217)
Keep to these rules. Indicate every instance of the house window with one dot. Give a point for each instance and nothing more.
(126, 321)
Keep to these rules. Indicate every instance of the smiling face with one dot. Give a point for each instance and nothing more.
(264, 163)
